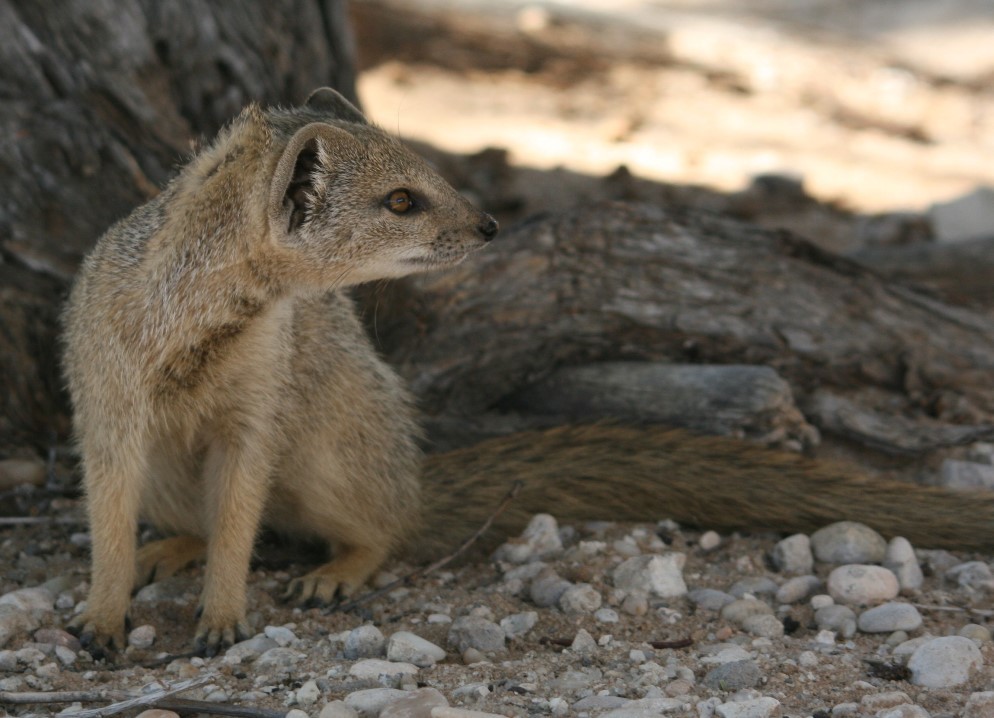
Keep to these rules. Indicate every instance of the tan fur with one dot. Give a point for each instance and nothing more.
(222, 382)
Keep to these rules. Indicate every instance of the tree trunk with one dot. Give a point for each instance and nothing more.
(866, 359)
(101, 100)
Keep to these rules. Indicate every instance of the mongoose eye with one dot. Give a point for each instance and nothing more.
(399, 201)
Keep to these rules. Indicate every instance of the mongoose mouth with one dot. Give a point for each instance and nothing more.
(436, 260)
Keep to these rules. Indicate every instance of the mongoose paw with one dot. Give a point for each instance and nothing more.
(161, 559)
(317, 589)
(212, 639)
(102, 642)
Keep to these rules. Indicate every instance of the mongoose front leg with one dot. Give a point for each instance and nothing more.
(340, 578)
(236, 474)
(113, 491)
(161, 559)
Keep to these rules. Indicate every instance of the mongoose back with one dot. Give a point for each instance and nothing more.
(221, 382)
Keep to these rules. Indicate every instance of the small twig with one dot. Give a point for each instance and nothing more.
(679, 643)
(40, 520)
(982, 612)
(125, 701)
(440, 563)
(182, 705)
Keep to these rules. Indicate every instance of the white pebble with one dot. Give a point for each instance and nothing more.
(944, 662)
(518, 624)
(793, 555)
(659, 575)
(709, 540)
(764, 707)
(308, 693)
(580, 598)
(859, 584)
(142, 637)
(282, 635)
(889, 617)
(900, 558)
(848, 542)
(406, 647)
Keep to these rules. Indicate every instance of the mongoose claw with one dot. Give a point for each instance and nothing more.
(211, 640)
(316, 590)
(101, 643)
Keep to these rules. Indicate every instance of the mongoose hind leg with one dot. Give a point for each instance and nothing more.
(339, 578)
(159, 560)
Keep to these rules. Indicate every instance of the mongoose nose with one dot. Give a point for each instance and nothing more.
(488, 228)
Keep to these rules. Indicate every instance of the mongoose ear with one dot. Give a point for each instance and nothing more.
(293, 178)
(332, 102)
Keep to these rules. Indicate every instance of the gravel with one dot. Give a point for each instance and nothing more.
(657, 633)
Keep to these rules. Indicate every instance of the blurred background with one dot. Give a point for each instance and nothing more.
(877, 106)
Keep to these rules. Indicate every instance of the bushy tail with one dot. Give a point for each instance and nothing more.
(645, 474)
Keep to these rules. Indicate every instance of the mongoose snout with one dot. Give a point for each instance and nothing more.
(488, 227)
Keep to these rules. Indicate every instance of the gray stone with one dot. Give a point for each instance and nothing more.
(583, 642)
(649, 707)
(282, 635)
(764, 626)
(34, 600)
(410, 648)
(798, 589)
(539, 540)
(308, 693)
(973, 575)
(733, 676)
(338, 709)
(280, 658)
(364, 642)
(840, 619)
(741, 609)
(793, 555)
(659, 575)
(890, 617)
(251, 649)
(944, 662)
(389, 673)
(848, 542)
(862, 585)
(764, 707)
(906, 711)
(606, 615)
(15, 472)
(710, 598)
(547, 587)
(753, 585)
(476, 632)
(901, 560)
(14, 622)
(416, 704)
(518, 624)
(180, 590)
(598, 702)
(142, 637)
(371, 702)
(580, 598)
(976, 633)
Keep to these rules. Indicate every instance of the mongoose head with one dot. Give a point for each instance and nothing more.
(347, 197)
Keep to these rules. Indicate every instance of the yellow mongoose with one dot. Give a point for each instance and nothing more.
(221, 382)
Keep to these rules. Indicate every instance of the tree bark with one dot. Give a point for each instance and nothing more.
(620, 282)
(100, 102)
